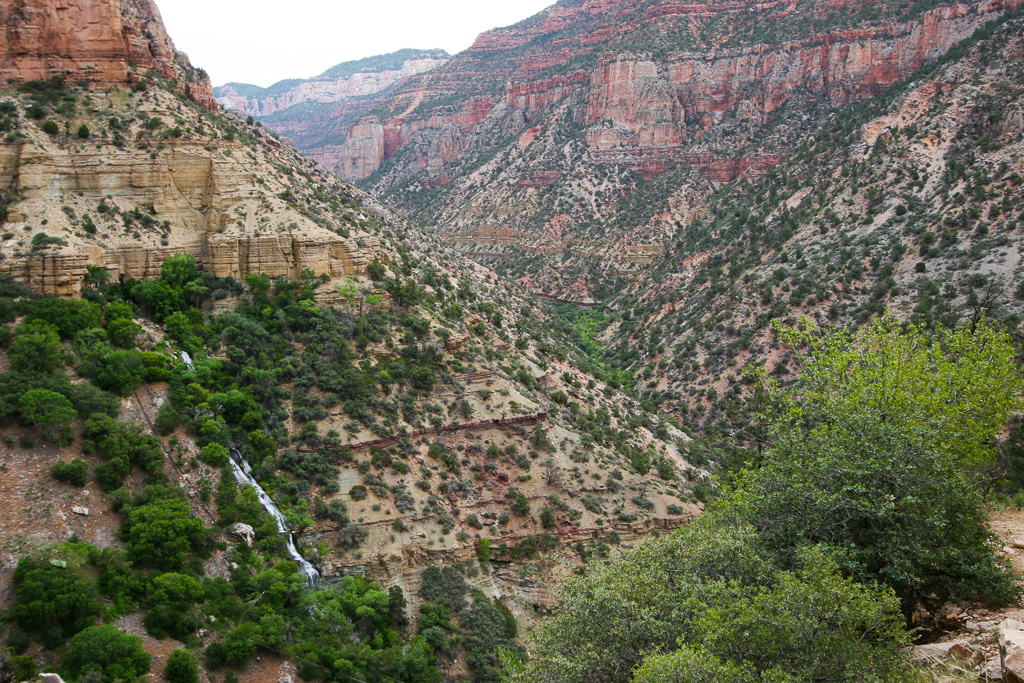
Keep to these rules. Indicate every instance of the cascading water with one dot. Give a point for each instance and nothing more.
(187, 360)
(243, 475)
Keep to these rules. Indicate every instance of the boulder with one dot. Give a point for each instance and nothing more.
(50, 678)
(455, 342)
(242, 531)
(992, 671)
(1011, 650)
(81, 511)
(940, 651)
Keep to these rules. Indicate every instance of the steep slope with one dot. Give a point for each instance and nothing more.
(910, 203)
(402, 407)
(543, 144)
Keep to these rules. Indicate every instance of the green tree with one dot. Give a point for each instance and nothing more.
(51, 412)
(171, 601)
(179, 270)
(49, 595)
(69, 317)
(182, 667)
(878, 451)
(107, 652)
(162, 533)
(122, 332)
(36, 348)
(214, 454)
(715, 596)
(83, 132)
(122, 372)
(258, 284)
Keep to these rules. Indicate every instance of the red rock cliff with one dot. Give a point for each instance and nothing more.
(108, 43)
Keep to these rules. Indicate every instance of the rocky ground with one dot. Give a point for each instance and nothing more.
(980, 643)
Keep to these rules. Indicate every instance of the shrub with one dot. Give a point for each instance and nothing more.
(162, 533)
(215, 455)
(911, 418)
(51, 412)
(520, 503)
(83, 132)
(50, 596)
(699, 589)
(182, 667)
(107, 652)
(50, 127)
(75, 472)
(36, 348)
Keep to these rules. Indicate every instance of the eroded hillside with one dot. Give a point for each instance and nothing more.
(909, 204)
(566, 149)
(183, 299)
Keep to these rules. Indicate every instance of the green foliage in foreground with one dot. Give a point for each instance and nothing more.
(878, 453)
(864, 503)
(715, 589)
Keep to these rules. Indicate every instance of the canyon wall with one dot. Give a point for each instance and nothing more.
(322, 89)
(637, 102)
(233, 205)
(107, 43)
(599, 127)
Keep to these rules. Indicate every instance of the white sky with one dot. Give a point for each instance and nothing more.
(262, 42)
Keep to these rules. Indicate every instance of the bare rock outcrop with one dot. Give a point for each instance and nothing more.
(107, 43)
(129, 209)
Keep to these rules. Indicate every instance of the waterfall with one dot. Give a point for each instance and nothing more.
(187, 360)
(243, 475)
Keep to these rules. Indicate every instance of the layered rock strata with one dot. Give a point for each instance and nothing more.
(107, 43)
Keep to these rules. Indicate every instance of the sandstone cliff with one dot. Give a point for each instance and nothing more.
(221, 191)
(107, 43)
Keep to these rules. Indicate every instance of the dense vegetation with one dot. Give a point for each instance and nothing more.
(65, 592)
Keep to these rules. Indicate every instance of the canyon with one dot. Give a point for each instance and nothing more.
(554, 130)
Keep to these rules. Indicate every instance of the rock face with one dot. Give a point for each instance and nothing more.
(108, 43)
(541, 131)
(234, 206)
(335, 86)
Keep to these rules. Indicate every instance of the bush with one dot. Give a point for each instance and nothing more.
(75, 472)
(83, 132)
(215, 455)
(51, 412)
(182, 667)
(50, 127)
(910, 418)
(36, 349)
(50, 596)
(107, 652)
(520, 503)
(715, 591)
(69, 317)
